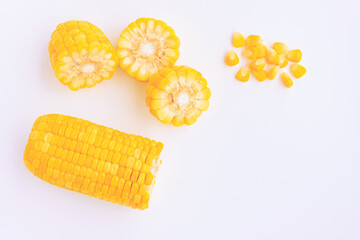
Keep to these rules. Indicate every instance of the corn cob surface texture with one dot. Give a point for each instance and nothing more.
(81, 55)
(146, 46)
(95, 160)
(177, 95)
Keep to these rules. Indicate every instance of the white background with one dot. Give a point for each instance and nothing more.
(264, 162)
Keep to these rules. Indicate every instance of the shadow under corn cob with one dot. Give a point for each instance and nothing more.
(92, 159)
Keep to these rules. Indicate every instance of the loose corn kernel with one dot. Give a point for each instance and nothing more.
(297, 70)
(147, 46)
(258, 64)
(83, 171)
(260, 75)
(283, 62)
(286, 79)
(261, 50)
(273, 72)
(81, 55)
(280, 47)
(250, 53)
(177, 96)
(243, 74)
(238, 40)
(294, 55)
(253, 40)
(272, 57)
(231, 58)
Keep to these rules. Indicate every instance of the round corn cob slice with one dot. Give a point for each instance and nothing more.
(95, 160)
(177, 95)
(81, 55)
(146, 46)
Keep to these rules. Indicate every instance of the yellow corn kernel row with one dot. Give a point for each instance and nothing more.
(146, 46)
(278, 56)
(81, 55)
(177, 95)
(94, 160)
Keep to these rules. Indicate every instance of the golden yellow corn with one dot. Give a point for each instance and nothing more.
(238, 40)
(260, 75)
(243, 74)
(261, 50)
(297, 70)
(283, 62)
(280, 47)
(273, 72)
(286, 79)
(95, 160)
(81, 55)
(231, 58)
(146, 46)
(272, 57)
(177, 95)
(258, 64)
(250, 53)
(253, 40)
(294, 55)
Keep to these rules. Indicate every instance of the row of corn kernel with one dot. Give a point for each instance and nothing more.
(255, 50)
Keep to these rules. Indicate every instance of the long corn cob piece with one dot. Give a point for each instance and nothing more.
(177, 95)
(95, 160)
(146, 46)
(81, 55)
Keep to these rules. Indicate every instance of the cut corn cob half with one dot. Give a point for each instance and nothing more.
(95, 160)
(177, 95)
(81, 55)
(146, 46)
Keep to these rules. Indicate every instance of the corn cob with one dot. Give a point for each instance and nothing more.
(146, 46)
(81, 55)
(95, 160)
(177, 95)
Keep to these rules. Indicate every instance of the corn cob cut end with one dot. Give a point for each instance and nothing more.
(94, 160)
(146, 46)
(177, 95)
(81, 55)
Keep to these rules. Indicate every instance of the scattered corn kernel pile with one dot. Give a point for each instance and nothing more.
(95, 160)
(81, 55)
(264, 63)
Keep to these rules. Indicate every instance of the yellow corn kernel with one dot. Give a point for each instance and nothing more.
(250, 53)
(273, 72)
(258, 64)
(297, 70)
(82, 171)
(260, 75)
(243, 74)
(294, 55)
(238, 40)
(253, 40)
(261, 50)
(280, 47)
(283, 62)
(286, 79)
(272, 57)
(146, 46)
(231, 58)
(81, 55)
(177, 95)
